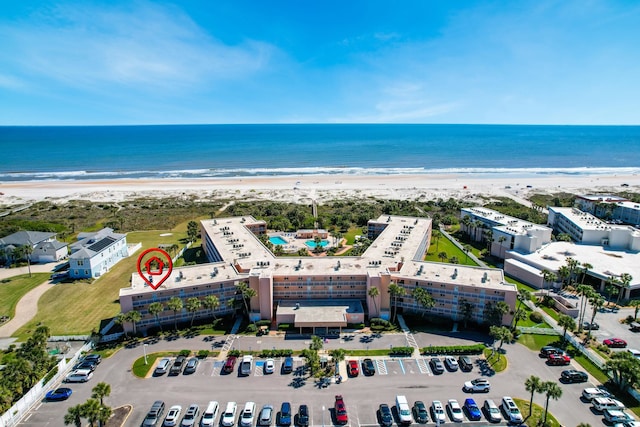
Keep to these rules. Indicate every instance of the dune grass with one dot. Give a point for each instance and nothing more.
(77, 308)
(14, 288)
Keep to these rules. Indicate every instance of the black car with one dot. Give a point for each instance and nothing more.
(465, 363)
(573, 376)
(177, 366)
(548, 350)
(191, 366)
(590, 326)
(302, 420)
(86, 365)
(436, 365)
(386, 419)
(93, 358)
(420, 413)
(367, 367)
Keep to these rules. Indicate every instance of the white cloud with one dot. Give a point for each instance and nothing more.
(147, 47)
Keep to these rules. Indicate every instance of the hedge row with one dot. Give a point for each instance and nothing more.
(280, 352)
(454, 349)
(401, 351)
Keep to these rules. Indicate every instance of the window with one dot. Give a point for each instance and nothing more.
(80, 262)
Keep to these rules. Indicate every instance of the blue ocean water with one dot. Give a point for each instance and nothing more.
(106, 152)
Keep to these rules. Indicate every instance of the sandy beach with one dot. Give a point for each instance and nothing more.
(302, 189)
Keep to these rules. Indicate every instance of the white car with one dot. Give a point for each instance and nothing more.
(437, 411)
(616, 416)
(455, 411)
(451, 363)
(247, 415)
(511, 410)
(173, 416)
(593, 392)
(493, 413)
(602, 403)
(269, 366)
(228, 418)
(479, 385)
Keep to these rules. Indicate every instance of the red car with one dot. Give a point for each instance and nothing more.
(615, 342)
(341, 411)
(558, 359)
(353, 368)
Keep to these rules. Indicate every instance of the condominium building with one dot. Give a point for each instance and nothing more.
(311, 292)
(610, 207)
(509, 233)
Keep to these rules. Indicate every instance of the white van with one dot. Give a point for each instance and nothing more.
(404, 411)
(602, 403)
(79, 376)
(246, 365)
(247, 415)
(162, 366)
(209, 415)
(228, 418)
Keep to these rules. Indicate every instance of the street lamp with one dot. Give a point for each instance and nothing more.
(144, 349)
(323, 409)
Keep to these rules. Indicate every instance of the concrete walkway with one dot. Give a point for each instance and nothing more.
(5, 273)
(26, 309)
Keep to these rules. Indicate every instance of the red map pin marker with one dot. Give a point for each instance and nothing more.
(158, 267)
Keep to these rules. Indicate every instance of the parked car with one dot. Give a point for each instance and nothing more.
(265, 419)
(465, 363)
(177, 366)
(191, 416)
(341, 410)
(473, 411)
(548, 350)
(86, 365)
(269, 366)
(602, 403)
(590, 326)
(558, 359)
(451, 363)
(491, 411)
(209, 415)
(436, 365)
(616, 416)
(154, 414)
(302, 419)
(353, 368)
(285, 414)
(511, 410)
(615, 343)
(385, 417)
(173, 416)
(455, 411)
(287, 365)
(593, 392)
(191, 365)
(437, 412)
(62, 393)
(367, 367)
(78, 376)
(247, 415)
(162, 366)
(573, 376)
(246, 365)
(229, 364)
(228, 417)
(94, 358)
(420, 412)
(479, 385)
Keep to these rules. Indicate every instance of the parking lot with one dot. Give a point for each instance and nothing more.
(363, 394)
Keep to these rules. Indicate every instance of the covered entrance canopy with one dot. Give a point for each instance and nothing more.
(320, 313)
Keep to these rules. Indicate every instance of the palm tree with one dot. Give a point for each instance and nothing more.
(74, 416)
(548, 277)
(466, 221)
(635, 303)
(120, 320)
(338, 356)
(572, 266)
(583, 291)
(211, 302)
(373, 293)
(625, 282)
(566, 323)
(247, 293)
(436, 234)
(552, 391)
(91, 411)
(175, 305)
(597, 302)
(533, 385)
(523, 295)
(100, 391)
(501, 239)
(104, 414)
(442, 255)
(520, 314)
(466, 249)
(466, 310)
(193, 305)
(424, 298)
(134, 317)
(396, 291)
(563, 274)
(585, 267)
(155, 308)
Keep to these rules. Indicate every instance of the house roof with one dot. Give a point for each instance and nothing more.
(94, 243)
(55, 245)
(23, 238)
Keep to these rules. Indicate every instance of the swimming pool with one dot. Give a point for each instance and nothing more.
(277, 240)
(312, 244)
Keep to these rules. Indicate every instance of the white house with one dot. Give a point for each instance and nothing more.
(95, 253)
(44, 246)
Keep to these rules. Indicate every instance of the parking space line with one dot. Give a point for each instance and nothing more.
(402, 366)
(423, 367)
(382, 367)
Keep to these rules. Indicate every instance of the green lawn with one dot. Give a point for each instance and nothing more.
(445, 245)
(14, 288)
(519, 284)
(497, 361)
(537, 413)
(352, 233)
(77, 308)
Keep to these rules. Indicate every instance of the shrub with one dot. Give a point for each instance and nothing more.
(263, 323)
(50, 375)
(251, 327)
(401, 351)
(235, 353)
(535, 317)
(184, 353)
(284, 326)
(279, 352)
(454, 349)
(203, 354)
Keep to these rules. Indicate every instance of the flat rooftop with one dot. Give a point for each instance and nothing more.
(319, 312)
(586, 221)
(506, 223)
(605, 262)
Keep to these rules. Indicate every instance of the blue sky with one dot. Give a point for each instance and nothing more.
(202, 61)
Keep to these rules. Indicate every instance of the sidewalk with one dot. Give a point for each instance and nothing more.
(26, 309)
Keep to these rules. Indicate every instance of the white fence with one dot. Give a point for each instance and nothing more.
(13, 416)
(539, 331)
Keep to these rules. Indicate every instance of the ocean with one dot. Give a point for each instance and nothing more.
(198, 151)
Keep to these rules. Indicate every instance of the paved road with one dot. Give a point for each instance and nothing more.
(362, 394)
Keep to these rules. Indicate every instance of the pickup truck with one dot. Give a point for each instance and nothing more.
(341, 411)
